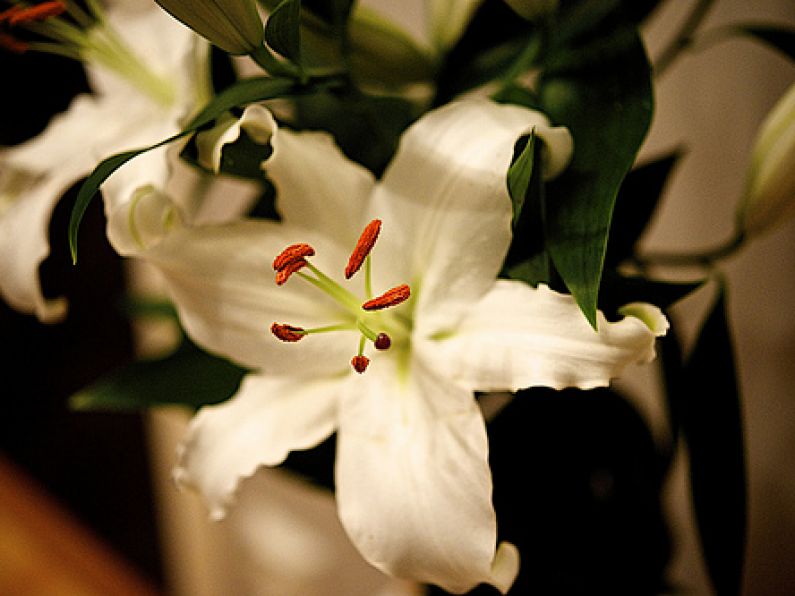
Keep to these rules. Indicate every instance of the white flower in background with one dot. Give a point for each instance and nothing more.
(390, 358)
(770, 185)
(147, 73)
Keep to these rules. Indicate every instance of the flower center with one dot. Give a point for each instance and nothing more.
(62, 27)
(368, 317)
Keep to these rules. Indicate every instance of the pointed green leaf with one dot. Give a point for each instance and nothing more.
(519, 175)
(243, 92)
(711, 423)
(189, 377)
(283, 30)
(604, 97)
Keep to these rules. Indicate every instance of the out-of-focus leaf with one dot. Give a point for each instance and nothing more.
(283, 30)
(189, 377)
(712, 426)
(635, 204)
(606, 102)
(366, 128)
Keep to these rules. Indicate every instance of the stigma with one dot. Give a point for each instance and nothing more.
(295, 259)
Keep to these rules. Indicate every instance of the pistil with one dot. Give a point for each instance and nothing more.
(295, 260)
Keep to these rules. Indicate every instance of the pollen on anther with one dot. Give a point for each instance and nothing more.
(359, 363)
(389, 298)
(289, 333)
(283, 274)
(382, 341)
(292, 253)
(363, 247)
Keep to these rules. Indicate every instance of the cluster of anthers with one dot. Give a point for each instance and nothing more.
(294, 260)
(25, 16)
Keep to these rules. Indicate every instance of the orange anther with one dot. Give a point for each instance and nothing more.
(12, 44)
(38, 12)
(9, 12)
(286, 332)
(363, 247)
(382, 341)
(292, 253)
(283, 274)
(389, 298)
(359, 363)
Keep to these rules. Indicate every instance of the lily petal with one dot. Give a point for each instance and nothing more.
(445, 205)
(222, 284)
(26, 205)
(413, 481)
(317, 186)
(518, 337)
(265, 420)
(256, 121)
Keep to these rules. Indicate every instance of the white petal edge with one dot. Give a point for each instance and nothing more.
(266, 419)
(256, 121)
(518, 337)
(413, 480)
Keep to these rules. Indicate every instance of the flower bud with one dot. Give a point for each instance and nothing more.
(770, 184)
(233, 25)
(532, 9)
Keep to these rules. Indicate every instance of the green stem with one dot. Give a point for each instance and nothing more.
(704, 258)
(272, 65)
(683, 38)
(523, 62)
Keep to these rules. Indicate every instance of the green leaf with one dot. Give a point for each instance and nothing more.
(775, 36)
(527, 258)
(189, 377)
(604, 97)
(711, 423)
(519, 175)
(243, 92)
(636, 202)
(283, 30)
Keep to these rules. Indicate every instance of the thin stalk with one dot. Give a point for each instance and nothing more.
(704, 258)
(683, 38)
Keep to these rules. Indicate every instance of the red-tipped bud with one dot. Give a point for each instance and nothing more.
(363, 247)
(382, 341)
(285, 272)
(292, 253)
(389, 298)
(287, 333)
(359, 363)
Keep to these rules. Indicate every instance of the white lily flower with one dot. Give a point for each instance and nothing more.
(413, 483)
(147, 73)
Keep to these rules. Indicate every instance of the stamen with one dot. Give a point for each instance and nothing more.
(287, 270)
(38, 12)
(389, 298)
(12, 44)
(288, 333)
(359, 363)
(292, 253)
(382, 342)
(363, 247)
(9, 12)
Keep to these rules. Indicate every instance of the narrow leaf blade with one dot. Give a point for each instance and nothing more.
(283, 30)
(711, 423)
